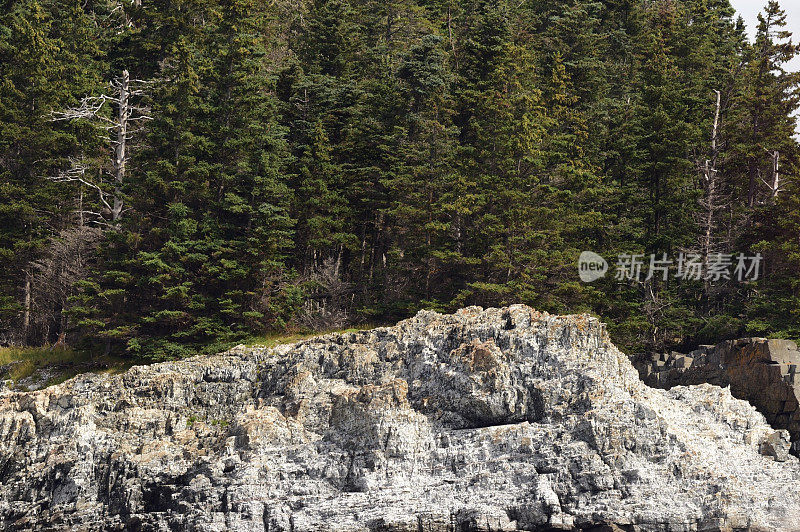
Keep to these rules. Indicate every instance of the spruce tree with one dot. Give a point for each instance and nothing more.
(48, 59)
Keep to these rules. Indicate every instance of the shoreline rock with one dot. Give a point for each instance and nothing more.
(761, 371)
(496, 419)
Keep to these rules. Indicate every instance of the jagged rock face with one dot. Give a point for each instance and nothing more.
(500, 419)
(761, 371)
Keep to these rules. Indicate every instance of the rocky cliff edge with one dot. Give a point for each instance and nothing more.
(496, 419)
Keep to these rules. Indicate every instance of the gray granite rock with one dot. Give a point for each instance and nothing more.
(497, 419)
(759, 370)
(776, 444)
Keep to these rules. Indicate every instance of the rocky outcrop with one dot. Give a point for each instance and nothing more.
(760, 371)
(498, 419)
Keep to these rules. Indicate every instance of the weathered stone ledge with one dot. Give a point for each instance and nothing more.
(496, 419)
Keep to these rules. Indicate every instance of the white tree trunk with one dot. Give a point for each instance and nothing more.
(26, 316)
(776, 169)
(123, 114)
(710, 199)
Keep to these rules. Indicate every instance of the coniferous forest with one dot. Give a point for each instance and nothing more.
(177, 176)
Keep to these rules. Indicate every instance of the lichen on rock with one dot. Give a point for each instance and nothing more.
(496, 419)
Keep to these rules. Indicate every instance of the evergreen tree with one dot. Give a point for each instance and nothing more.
(356, 160)
(425, 181)
(201, 262)
(47, 61)
(767, 144)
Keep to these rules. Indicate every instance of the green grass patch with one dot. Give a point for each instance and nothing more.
(275, 339)
(50, 355)
(23, 370)
(56, 364)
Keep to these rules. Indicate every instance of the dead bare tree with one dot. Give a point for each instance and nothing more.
(774, 184)
(327, 294)
(115, 117)
(52, 278)
(713, 200)
(104, 178)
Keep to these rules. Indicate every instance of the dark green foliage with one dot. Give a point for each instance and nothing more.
(47, 55)
(332, 161)
(200, 261)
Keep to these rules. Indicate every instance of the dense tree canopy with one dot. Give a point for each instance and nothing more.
(177, 176)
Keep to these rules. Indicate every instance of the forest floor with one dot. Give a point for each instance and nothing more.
(33, 368)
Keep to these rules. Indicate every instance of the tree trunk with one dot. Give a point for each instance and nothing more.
(450, 34)
(119, 151)
(776, 168)
(710, 175)
(26, 316)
